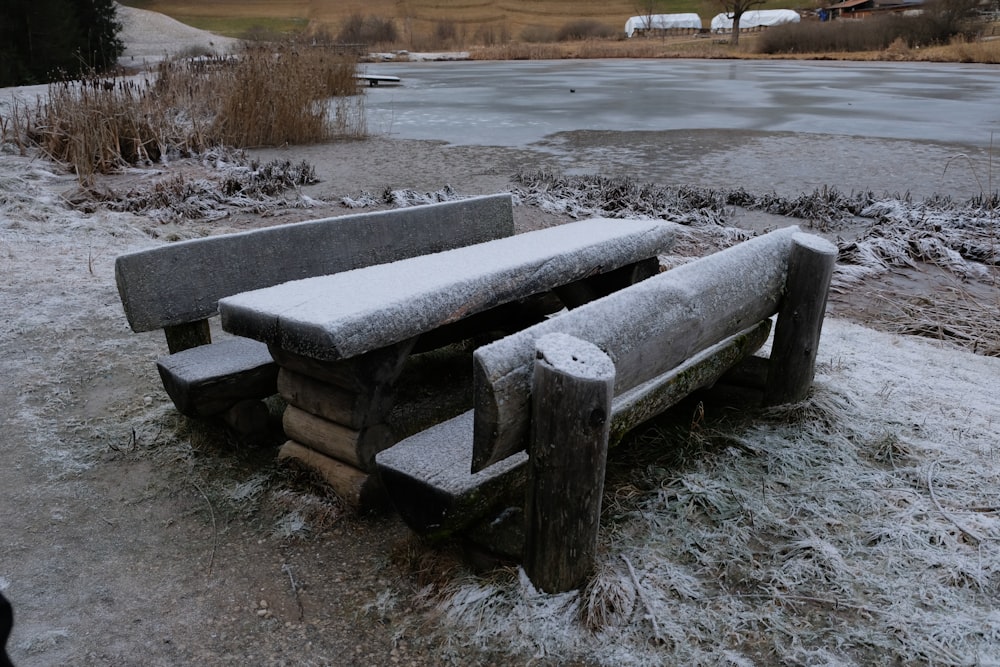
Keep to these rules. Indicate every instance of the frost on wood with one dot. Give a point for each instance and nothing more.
(349, 313)
(647, 329)
(570, 355)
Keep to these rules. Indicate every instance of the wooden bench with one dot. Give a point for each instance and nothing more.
(344, 340)
(665, 337)
(177, 288)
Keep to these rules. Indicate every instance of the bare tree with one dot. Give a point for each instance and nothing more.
(735, 9)
(647, 9)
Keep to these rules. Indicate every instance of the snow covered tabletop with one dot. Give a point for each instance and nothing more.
(346, 314)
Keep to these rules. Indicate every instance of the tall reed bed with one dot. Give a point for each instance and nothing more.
(98, 126)
(264, 96)
(277, 95)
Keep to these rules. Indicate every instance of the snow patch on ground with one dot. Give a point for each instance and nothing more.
(150, 37)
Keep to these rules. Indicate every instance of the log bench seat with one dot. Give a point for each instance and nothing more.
(342, 341)
(212, 379)
(177, 287)
(665, 337)
(429, 475)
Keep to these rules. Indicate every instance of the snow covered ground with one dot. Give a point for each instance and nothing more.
(857, 528)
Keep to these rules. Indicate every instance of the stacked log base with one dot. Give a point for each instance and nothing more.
(359, 490)
(335, 420)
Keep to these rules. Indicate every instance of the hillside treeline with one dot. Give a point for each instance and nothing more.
(44, 40)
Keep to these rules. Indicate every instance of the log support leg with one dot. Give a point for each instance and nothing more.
(336, 415)
(800, 320)
(572, 388)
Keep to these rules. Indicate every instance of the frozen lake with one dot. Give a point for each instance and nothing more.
(518, 103)
(786, 126)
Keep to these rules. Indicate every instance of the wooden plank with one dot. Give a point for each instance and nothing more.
(341, 316)
(646, 329)
(427, 478)
(182, 337)
(367, 373)
(180, 282)
(353, 409)
(427, 475)
(355, 447)
(359, 491)
(651, 398)
(571, 392)
(800, 321)
(208, 379)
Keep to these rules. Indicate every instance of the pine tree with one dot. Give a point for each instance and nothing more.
(99, 46)
(45, 40)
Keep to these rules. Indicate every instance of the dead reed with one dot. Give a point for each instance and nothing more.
(267, 95)
(99, 126)
(957, 316)
(273, 95)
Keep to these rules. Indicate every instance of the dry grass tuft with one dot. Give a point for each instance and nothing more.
(267, 95)
(430, 567)
(101, 125)
(609, 600)
(962, 51)
(959, 317)
(278, 94)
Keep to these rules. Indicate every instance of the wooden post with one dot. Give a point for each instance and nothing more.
(572, 388)
(800, 319)
(182, 337)
(249, 418)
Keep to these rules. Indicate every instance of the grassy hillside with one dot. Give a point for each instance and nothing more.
(417, 21)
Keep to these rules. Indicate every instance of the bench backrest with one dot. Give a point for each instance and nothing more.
(182, 282)
(646, 329)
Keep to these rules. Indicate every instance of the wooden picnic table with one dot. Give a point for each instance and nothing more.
(341, 340)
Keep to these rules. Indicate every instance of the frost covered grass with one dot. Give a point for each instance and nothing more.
(962, 238)
(824, 209)
(618, 197)
(231, 182)
(857, 527)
